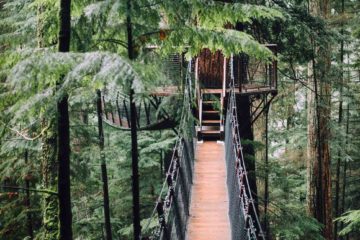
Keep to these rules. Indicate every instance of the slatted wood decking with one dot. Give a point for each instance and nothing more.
(209, 204)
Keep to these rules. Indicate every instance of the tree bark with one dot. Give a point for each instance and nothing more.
(319, 103)
(49, 171)
(103, 169)
(49, 165)
(211, 69)
(134, 144)
(65, 214)
(340, 118)
(344, 176)
(27, 200)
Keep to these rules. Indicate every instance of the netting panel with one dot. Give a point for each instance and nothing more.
(243, 224)
(235, 209)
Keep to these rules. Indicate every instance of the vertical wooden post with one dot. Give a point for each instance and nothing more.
(103, 168)
(266, 190)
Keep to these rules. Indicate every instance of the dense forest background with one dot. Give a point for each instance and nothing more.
(313, 171)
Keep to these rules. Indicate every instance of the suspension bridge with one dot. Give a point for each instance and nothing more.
(206, 193)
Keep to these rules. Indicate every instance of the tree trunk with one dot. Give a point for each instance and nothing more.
(49, 171)
(210, 69)
(134, 144)
(319, 100)
(311, 146)
(49, 166)
(103, 169)
(27, 199)
(344, 176)
(340, 118)
(65, 214)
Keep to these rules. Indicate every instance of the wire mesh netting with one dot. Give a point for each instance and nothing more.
(173, 68)
(175, 223)
(172, 208)
(237, 221)
(251, 73)
(244, 220)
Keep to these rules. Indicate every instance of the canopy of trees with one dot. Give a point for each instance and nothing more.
(61, 60)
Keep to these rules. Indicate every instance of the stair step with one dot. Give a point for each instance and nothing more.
(210, 132)
(211, 128)
(211, 121)
(211, 111)
(208, 102)
(211, 91)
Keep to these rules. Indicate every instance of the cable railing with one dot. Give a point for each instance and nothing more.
(173, 204)
(243, 215)
(253, 75)
(171, 211)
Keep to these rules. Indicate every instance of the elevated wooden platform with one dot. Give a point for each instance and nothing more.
(165, 91)
(209, 203)
(247, 89)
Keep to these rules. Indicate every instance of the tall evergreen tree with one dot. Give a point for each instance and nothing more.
(63, 132)
(318, 150)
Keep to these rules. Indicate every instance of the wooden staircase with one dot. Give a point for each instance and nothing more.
(210, 119)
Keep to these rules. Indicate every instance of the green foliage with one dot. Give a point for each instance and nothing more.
(212, 14)
(352, 221)
(29, 90)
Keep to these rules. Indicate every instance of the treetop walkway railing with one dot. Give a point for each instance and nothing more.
(172, 207)
(243, 214)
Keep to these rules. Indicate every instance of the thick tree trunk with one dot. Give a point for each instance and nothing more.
(27, 200)
(65, 214)
(49, 171)
(319, 101)
(210, 69)
(49, 165)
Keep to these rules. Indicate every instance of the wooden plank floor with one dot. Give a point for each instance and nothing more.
(209, 202)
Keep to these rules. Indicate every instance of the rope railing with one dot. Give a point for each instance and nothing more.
(173, 204)
(243, 215)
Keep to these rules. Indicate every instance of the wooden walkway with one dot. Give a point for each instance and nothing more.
(209, 204)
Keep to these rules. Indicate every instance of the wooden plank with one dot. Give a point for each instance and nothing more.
(211, 121)
(211, 91)
(209, 203)
(165, 91)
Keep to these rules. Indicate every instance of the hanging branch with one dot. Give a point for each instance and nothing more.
(22, 134)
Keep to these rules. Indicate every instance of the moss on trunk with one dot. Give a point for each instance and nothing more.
(49, 168)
